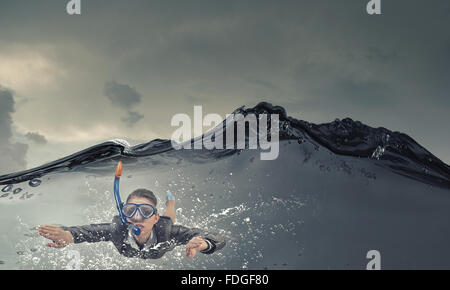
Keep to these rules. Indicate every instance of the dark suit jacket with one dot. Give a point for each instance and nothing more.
(168, 237)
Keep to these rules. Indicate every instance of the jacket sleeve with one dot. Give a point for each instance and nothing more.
(91, 233)
(182, 235)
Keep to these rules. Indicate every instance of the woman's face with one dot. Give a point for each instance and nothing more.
(145, 225)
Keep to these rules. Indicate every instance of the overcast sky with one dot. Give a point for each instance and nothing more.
(123, 68)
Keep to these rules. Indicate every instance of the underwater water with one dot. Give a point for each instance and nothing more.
(322, 204)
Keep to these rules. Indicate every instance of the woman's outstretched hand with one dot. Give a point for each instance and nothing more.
(195, 245)
(60, 237)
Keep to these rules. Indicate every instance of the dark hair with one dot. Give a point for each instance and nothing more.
(145, 193)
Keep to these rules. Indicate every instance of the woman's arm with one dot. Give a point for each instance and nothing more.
(62, 236)
(207, 244)
(92, 233)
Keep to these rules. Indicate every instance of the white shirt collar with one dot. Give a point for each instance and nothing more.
(150, 242)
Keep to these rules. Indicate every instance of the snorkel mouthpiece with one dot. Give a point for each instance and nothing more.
(134, 229)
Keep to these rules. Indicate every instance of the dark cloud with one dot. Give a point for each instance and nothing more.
(378, 54)
(351, 95)
(6, 108)
(125, 97)
(122, 95)
(263, 83)
(132, 118)
(326, 59)
(12, 155)
(196, 100)
(36, 138)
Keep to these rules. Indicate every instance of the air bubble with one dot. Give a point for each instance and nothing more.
(17, 190)
(7, 188)
(34, 182)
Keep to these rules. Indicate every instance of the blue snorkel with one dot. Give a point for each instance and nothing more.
(134, 229)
